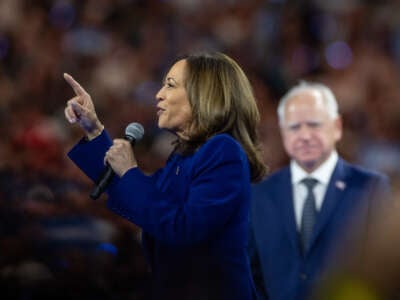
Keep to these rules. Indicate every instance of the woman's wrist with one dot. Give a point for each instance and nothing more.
(95, 132)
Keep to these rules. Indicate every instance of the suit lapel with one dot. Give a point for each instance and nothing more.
(285, 204)
(334, 194)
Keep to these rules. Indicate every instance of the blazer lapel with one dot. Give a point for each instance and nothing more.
(285, 204)
(334, 194)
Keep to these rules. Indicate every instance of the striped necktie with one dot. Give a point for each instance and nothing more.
(309, 213)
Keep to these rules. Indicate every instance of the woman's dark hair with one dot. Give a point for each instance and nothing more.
(222, 101)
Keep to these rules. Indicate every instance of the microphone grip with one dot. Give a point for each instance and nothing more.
(133, 132)
(101, 185)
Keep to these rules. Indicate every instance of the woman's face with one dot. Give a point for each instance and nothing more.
(173, 108)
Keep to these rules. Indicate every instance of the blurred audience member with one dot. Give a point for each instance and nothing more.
(369, 267)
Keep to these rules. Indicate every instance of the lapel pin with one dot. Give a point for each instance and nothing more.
(341, 185)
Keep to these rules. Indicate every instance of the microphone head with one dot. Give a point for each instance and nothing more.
(134, 132)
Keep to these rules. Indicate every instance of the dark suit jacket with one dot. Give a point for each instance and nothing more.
(279, 267)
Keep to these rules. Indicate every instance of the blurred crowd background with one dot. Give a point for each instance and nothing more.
(54, 240)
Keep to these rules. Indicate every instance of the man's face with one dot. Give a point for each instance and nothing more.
(309, 133)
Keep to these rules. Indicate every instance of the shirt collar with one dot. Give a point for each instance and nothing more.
(322, 173)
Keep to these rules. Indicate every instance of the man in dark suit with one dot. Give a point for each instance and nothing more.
(300, 212)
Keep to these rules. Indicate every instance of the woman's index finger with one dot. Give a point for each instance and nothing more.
(78, 89)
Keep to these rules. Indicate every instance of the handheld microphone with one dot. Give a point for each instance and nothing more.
(133, 132)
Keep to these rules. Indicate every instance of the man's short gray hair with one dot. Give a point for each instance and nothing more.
(327, 95)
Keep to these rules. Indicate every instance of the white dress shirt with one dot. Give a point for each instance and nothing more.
(322, 174)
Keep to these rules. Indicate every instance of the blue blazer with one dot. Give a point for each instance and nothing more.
(280, 269)
(194, 214)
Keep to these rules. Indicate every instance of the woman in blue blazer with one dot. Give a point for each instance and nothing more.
(194, 211)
